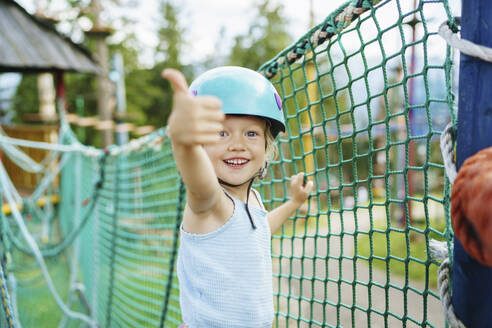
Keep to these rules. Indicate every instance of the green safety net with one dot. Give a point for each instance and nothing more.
(366, 95)
(365, 109)
(112, 247)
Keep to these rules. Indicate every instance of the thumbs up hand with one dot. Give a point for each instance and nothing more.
(194, 120)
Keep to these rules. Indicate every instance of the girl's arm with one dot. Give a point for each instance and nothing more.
(194, 121)
(300, 193)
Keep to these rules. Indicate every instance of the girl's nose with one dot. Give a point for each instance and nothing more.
(236, 143)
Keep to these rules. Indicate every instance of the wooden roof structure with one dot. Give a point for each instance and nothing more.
(29, 44)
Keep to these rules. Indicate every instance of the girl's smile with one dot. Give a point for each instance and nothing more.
(236, 162)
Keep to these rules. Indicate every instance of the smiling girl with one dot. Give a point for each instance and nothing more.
(222, 131)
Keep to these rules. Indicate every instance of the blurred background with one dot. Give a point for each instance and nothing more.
(134, 40)
(141, 38)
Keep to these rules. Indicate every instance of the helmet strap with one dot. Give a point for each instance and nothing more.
(230, 184)
(247, 206)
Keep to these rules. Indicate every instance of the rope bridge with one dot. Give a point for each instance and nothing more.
(366, 94)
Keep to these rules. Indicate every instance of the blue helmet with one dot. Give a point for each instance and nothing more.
(242, 92)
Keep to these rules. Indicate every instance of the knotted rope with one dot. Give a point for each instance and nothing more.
(439, 251)
(334, 23)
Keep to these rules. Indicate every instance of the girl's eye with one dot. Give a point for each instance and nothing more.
(222, 133)
(252, 134)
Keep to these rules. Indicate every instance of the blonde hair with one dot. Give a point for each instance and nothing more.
(271, 149)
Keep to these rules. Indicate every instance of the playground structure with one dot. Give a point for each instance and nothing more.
(364, 121)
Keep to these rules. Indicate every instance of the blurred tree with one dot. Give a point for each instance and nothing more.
(170, 35)
(266, 37)
(148, 95)
(167, 55)
(26, 98)
(137, 80)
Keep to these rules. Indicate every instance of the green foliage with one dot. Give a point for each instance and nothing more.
(158, 91)
(81, 86)
(170, 35)
(266, 37)
(26, 99)
(137, 80)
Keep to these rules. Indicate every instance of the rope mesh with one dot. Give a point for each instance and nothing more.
(364, 112)
(366, 98)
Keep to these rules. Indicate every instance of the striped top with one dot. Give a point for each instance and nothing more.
(225, 276)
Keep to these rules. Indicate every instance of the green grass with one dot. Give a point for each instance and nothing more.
(36, 305)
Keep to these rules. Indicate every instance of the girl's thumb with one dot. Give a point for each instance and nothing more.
(176, 78)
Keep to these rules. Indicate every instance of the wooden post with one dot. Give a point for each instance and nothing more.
(46, 91)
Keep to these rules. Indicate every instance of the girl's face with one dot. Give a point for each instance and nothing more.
(240, 153)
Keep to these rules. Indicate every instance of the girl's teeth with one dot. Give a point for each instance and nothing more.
(236, 161)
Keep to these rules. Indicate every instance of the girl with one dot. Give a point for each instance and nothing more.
(222, 132)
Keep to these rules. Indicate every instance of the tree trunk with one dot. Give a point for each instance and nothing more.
(104, 90)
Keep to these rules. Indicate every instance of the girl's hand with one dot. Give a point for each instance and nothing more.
(299, 190)
(194, 120)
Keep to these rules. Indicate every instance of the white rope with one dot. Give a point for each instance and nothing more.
(37, 253)
(153, 140)
(19, 157)
(439, 251)
(49, 146)
(447, 152)
(467, 47)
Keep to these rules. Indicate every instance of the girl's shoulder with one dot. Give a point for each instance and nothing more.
(257, 197)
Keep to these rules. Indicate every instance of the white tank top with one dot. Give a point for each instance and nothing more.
(225, 276)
